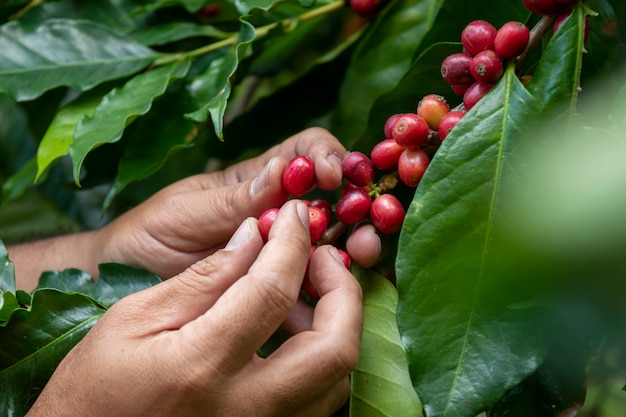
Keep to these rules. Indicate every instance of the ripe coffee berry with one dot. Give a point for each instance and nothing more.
(448, 122)
(365, 8)
(478, 36)
(266, 220)
(431, 108)
(385, 154)
(353, 206)
(410, 131)
(543, 7)
(474, 94)
(299, 175)
(486, 67)
(324, 206)
(387, 214)
(511, 40)
(391, 120)
(412, 166)
(318, 222)
(358, 168)
(455, 69)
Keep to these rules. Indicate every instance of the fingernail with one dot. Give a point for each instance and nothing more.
(241, 236)
(335, 254)
(261, 182)
(334, 160)
(303, 213)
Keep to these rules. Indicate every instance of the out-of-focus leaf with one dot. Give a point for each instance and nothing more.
(7, 271)
(15, 186)
(216, 81)
(381, 385)
(175, 31)
(470, 329)
(115, 281)
(192, 6)
(64, 52)
(60, 134)
(36, 339)
(119, 108)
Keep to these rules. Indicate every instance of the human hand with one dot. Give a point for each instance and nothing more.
(193, 218)
(187, 347)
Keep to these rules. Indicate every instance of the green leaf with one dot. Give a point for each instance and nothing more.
(119, 108)
(381, 385)
(7, 271)
(217, 80)
(63, 52)
(175, 31)
(115, 282)
(15, 186)
(60, 134)
(36, 340)
(192, 6)
(468, 323)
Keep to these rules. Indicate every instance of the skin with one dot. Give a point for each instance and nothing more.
(188, 346)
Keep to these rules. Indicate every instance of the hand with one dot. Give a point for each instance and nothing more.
(194, 217)
(187, 347)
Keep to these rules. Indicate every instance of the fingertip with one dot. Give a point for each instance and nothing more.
(364, 245)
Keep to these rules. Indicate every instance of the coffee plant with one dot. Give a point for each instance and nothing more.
(487, 146)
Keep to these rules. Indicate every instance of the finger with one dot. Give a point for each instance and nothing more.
(181, 299)
(333, 341)
(330, 402)
(300, 318)
(253, 308)
(364, 245)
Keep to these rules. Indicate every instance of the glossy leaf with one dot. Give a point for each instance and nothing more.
(119, 108)
(469, 329)
(115, 281)
(36, 340)
(64, 52)
(216, 81)
(172, 32)
(191, 5)
(381, 385)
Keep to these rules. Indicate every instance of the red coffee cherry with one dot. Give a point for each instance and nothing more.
(324, 206)
(475, 93)
(431, 108)
(412, 165)
(299, 175)
(448, 122)
(358, 168)
(486, 67)
(365, 8)
(511, 40)
(318, 222)
(385, 154)
(410, 131)
(387, 214)
(391, 120)
(266, 220)
(543, 7)
(345, 257)
(460, 89)
(455, 69)
(353, 206)
(478, 36)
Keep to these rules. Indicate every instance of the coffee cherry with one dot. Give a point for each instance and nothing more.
(266, 220)
(431, 108)
(365, 8)
(324, 206)
(511, 40)
(412, 165)
(299, 175)
(391, 120)
(566, 1)
(448, 122)
(358, 168)
(410, 131)
(318, 222)
(348, 186)
(353, 206)
(385, 154)
(345, 257)
(478, 36)
(543, 7)
(387, 214)
(460, 89)
(486, 67)
(474, 94)
(455, 69)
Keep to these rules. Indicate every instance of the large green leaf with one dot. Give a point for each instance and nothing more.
(64, 52)
(470, 331)
(119, 108)
(175, 31)
(216, 81)
(36, 340)
(381, 385)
